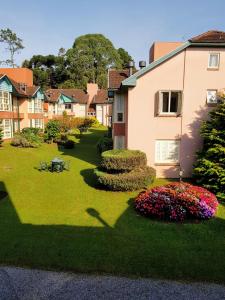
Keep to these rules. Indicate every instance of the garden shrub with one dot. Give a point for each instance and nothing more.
(123, 160)
(52, 130)
(177, 202)
(127, 181)
(25, 141)
(31, 130)
(74, 132)
(69, 144)
(104, 144)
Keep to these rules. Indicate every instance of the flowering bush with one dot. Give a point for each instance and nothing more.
(177, 202)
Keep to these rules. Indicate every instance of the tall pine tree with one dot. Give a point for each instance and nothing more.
(209, 169)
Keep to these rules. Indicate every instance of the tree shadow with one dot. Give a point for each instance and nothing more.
(133, 245)
(190, 144)
(86, 149)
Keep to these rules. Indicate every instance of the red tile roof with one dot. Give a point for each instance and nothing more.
(101, 97)
(212, 36)
(77, 94)
(116, 77)
(29, 90)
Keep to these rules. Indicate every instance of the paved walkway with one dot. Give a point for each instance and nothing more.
(24, 284)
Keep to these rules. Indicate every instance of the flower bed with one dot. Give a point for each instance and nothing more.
(177, 202)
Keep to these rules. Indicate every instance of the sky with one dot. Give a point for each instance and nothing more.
(47, 25)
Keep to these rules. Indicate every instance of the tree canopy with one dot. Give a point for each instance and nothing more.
(209, 169)
(87, 61)
(13, 45)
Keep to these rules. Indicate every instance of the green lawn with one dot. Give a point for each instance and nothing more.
(61, 221)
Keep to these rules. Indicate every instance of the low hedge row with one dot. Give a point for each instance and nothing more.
(123, 160)
(127, 181)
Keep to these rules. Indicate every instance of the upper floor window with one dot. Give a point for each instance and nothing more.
(170, 102)
(37, 105)
(119, 112)
(214, 61)
(4, 101)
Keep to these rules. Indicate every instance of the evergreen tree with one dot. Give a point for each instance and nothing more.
(209, 169)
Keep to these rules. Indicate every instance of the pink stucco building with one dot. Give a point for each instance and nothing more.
(159, 109)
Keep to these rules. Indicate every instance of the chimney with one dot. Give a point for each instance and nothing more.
(130, 67)
(92, 90)
(142, 64)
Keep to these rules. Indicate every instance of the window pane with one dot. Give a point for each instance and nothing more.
(214, 60)
(174, 102)
(211, 96)
(165, 102)
(119, 117)
(167, 151)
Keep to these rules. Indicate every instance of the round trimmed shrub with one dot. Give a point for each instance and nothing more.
(123, 160)
(177, 202)
(128, 181)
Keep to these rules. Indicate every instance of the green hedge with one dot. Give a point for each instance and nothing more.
(123, 160)
(129, 181)
(104, 144)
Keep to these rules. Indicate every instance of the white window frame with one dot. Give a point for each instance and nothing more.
(119, 142)
(5, 102)
(179, 105)
(119, 110)
(163, 158)
(208, 96)
(214, 67)
(36, 123)
(6, 125)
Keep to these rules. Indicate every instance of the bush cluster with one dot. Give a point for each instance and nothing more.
(128, 181)
(124, 170)
(28, 138)
(177, 202)
(67, 125)
(123, 160)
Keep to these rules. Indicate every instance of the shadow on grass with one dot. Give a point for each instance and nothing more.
(134, 245)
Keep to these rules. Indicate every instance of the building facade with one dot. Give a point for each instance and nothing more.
(79, 103)
(159, 109)
(21, 103)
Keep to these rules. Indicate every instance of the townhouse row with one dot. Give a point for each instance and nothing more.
(159, 109)
(22, 104)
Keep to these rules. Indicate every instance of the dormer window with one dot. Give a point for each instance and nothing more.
(214, 61)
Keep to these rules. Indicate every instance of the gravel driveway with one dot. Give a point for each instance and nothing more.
(25, 284)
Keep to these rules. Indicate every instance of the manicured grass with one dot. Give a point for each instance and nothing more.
(61, 221)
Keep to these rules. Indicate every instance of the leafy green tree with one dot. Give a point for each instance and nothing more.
(1, 136)
(209, 169)
(90, 58)
(125, 57)
(49, 70)
(13, 44)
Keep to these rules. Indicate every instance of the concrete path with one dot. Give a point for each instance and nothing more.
(24, 284)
